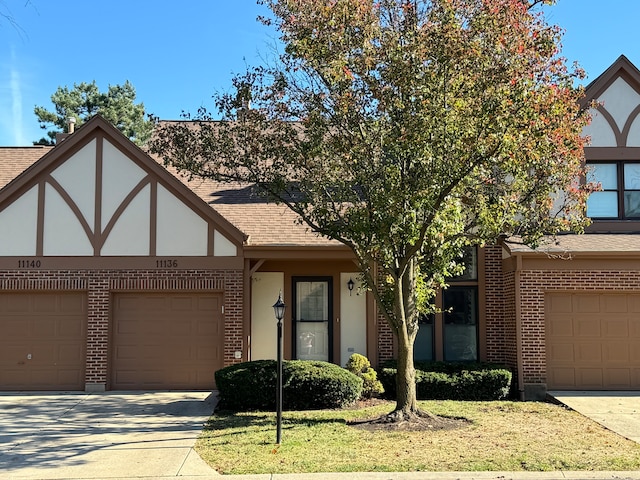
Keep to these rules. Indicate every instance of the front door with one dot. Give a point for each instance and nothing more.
(312, 326)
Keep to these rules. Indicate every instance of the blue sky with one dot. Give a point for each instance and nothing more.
(178, 54)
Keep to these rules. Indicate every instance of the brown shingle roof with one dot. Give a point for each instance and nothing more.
(15, 160)
(265, 224)
(588, 243)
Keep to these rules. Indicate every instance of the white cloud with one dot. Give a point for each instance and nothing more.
(16, 103)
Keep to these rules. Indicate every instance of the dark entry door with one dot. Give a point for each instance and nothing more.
(312, 326)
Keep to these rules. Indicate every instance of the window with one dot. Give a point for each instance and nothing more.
(460, 306)
(453, 334)
(619, 196)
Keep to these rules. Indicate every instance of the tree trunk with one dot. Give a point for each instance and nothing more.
(406, 400)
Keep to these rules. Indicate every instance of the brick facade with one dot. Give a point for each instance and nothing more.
(99, 286)
(532, 288)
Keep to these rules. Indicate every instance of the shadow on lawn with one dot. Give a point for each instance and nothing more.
(227, 419)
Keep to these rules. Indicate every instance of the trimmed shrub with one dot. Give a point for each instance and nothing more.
(248, 385)
(359, 365)
(314, 385)
(306, 385)
(453, 381)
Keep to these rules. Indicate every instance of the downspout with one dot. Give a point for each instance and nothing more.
(519, 363)
(246, 307)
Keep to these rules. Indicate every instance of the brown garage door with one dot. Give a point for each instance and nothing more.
(593, 341)
(42, 341)
(166, 341)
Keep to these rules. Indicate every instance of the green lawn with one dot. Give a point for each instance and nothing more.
(518, 436)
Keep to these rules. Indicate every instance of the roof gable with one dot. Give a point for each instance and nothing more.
(623, 68)
(613, 100)
(97, 194)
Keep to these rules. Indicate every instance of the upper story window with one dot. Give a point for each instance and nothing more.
(619, 197)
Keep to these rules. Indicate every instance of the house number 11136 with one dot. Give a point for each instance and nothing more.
(166, 263)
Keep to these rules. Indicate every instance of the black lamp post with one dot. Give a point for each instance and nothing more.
(278, 309)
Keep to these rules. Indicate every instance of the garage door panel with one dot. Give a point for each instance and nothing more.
(588, 353)
(72, 304)
(562, 327)
(633, 302)
(561, 352)
(634, 327)
(15, 328)
(560, 304)
(69, 326)
(603, 349)
(614, 303)
(563, 377)
(44, 326)
(615, 327)
(616, 352)
(45, 303)
(176, 341)
(585, 304)
(618, 377)
(587, 327)
(184, 304)
(589, 377)
(16, 303)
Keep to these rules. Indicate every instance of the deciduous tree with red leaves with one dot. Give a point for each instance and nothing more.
(407, 130)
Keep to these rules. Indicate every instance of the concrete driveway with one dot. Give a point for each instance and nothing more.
(102, 435)
(617, 411)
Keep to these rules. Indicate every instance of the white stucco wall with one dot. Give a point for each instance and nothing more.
(180, 230)
(19, 224)
(77, 176)
(222, 247)
(63, 233)
(131, 233)
(633, 139)
(353, 318)
(599, 131)
(265, 287)
(119, 176)
(619, 100)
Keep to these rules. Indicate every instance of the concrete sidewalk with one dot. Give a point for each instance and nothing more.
(103, 435)
(617, 411)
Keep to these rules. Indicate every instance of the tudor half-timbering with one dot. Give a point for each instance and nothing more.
(116, 273)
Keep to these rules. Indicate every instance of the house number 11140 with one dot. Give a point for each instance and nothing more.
(29, 263)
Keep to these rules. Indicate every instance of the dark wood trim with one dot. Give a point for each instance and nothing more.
(121, 208)
(153, 217)
(298, 253)
(612, 124)
(627, 126)
(97, 215)
(74, 208)
(611, 153)
(246, 311)
(29, 263)
(613, 226)
(41, 186)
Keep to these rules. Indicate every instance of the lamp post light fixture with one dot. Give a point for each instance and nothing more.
(350, 285)
(278, 309)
